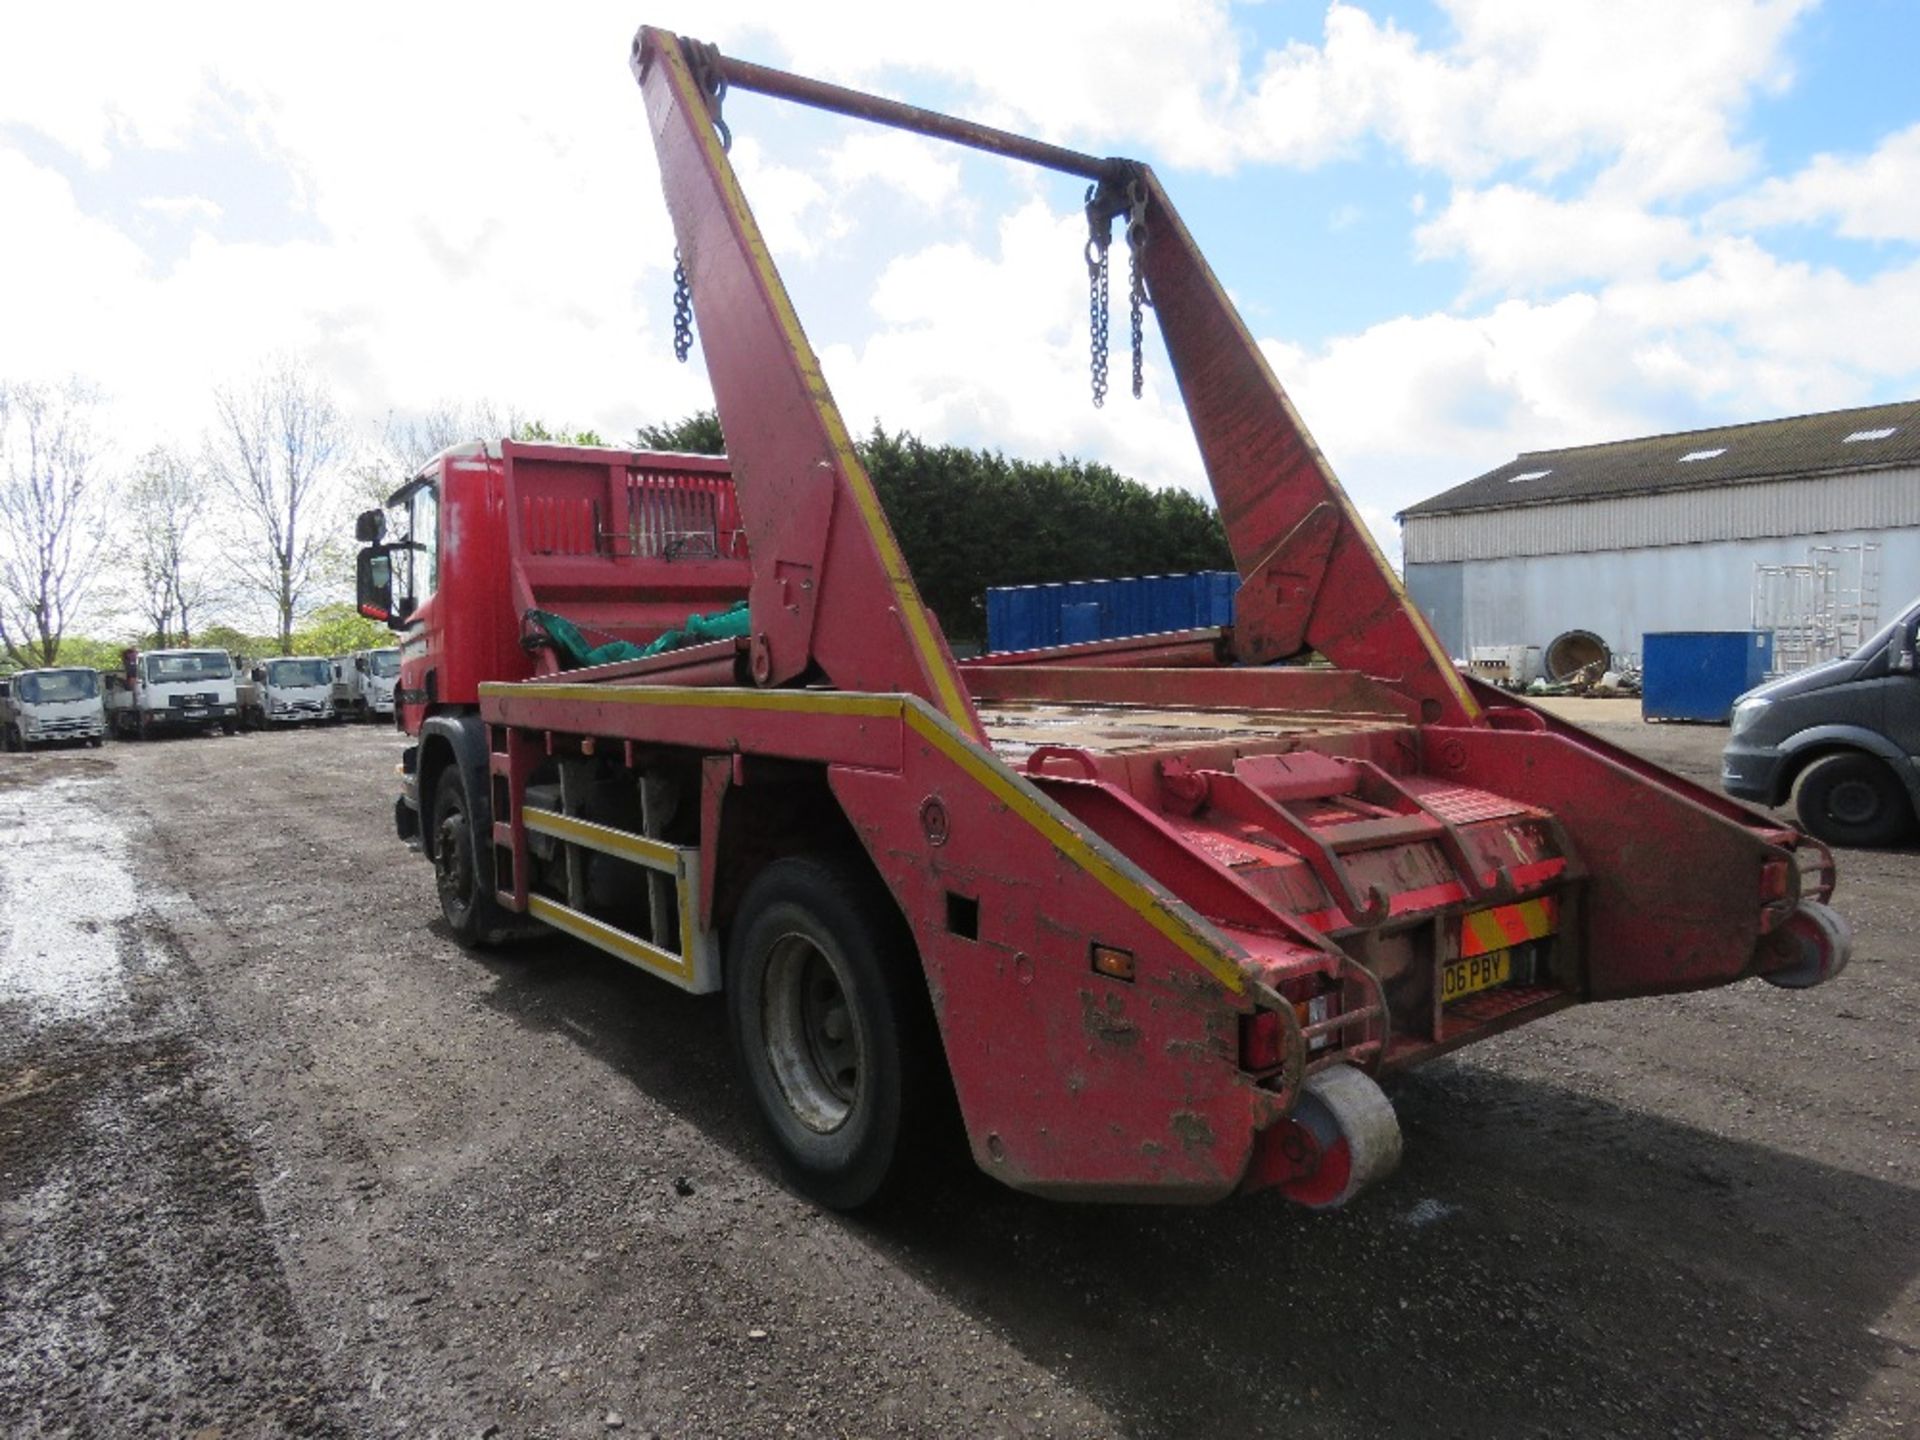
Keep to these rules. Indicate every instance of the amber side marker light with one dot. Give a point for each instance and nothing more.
(1114, 963)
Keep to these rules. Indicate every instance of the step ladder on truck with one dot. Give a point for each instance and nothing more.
(1155, 915)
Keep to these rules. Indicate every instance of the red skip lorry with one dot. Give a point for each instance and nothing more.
(1159, 913)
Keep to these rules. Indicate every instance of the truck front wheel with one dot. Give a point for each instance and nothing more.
(830, 1023)
(473, 915)
(1853, 799)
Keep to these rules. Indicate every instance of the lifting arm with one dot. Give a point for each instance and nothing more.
(1312, 576)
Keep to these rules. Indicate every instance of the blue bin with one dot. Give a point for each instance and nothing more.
(1698, 674)
(1033, 617)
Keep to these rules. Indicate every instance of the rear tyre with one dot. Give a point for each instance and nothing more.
(831, 1026)
(1853, 799)
(472, 913)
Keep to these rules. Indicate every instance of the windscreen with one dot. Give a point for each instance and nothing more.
(46, 687)
(189, 665)
(288, 674)
(385, 663)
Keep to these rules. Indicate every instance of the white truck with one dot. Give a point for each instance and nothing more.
(289, 690)
(52, 706)
(363, 683)
(156, 691)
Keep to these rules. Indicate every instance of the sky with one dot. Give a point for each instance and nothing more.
(1459, 230)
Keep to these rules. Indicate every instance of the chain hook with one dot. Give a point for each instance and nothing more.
(713, 84)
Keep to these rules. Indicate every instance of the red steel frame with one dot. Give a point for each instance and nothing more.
(1287, 878)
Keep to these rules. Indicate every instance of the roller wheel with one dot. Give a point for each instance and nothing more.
(1853, 799)
(1811, 948)
(831, 1026)
(1352, 1123)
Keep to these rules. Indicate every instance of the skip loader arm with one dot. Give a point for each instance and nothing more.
(1313, 579)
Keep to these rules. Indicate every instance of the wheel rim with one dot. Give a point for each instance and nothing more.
(1854, 802)
(450, 865)
(812, 1039)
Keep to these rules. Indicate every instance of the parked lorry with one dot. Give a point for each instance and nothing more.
(363, 683)
(1842, 740)
(168, 691)
(287, 690)
(53, 706)
(1155, 915)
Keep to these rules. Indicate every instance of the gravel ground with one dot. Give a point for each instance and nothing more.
(277, 1157)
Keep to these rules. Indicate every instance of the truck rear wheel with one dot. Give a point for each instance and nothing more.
(1853, 799)
(472, 913)
(830, 1023)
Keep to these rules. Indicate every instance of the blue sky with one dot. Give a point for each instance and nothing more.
(1459, 229)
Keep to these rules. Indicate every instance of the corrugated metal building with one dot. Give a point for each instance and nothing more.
(1677, 532)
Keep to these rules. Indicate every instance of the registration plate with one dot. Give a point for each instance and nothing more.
(196, 714)
(1474, 973)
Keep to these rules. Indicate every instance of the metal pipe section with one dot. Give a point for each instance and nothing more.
(761, 80)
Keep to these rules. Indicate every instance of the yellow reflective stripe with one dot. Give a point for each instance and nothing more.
(598, 933)
(1090, 856)
(654, 854)
(800, 702)
(905, 593)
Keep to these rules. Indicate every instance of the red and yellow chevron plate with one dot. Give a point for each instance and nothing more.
(1505, 926)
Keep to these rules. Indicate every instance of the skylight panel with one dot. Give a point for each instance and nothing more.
(1857, 436)
(1528, 475)
(1693, 455)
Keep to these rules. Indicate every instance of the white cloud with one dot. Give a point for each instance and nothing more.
(181, 207)
(1870, 197)
(1516, 239)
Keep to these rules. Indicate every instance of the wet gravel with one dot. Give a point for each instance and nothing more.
(277, 1157)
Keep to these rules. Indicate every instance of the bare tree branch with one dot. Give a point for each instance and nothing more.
(166, 507)
(51, 531)
(272, 452)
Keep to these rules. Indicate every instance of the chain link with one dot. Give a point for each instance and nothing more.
(1098, 242)
(1137, 290)
(682, 311)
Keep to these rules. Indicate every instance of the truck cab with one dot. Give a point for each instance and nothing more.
(52, 706)
(172, 691)
(1841, 739)
(288, 690)
(363, 683)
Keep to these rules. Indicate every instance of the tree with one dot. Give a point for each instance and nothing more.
(51, 535)
(339, 629)
(698, 434)
(273, 452)
(166, 505)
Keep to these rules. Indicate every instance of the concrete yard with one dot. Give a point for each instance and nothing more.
(277, 1157)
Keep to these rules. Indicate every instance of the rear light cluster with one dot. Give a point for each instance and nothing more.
(1263, 1035)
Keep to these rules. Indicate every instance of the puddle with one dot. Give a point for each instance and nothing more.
(66, 890)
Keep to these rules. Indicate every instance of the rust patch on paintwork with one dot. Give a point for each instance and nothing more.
(1194, 1131)
(1106, 1023)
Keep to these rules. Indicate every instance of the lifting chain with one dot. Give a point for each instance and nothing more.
(1099, 241)
(1137, 291)
(1104, 204)
(682, 310)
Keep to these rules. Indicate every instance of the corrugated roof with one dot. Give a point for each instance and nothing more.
(1695, 459)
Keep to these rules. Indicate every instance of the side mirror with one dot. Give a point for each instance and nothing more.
(370, 527)
(373, 582)
(1903, 657)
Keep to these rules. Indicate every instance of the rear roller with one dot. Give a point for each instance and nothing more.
(1811, 948)
(1343, 1136)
